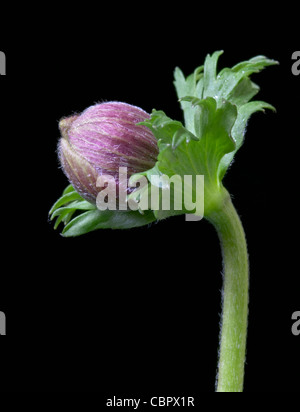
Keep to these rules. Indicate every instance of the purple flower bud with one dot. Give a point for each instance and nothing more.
(102, 139)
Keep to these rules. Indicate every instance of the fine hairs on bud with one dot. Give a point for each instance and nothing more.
(102, 139)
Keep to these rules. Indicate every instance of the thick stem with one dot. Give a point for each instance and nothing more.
(233, 333)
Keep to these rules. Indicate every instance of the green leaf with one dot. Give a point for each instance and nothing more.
(64, 216)
(65, 207)
(199, 156)
(68, 189)
(225, 83)
(213, 128)
(89, 218)
(64, 199)
(243, 92)
(230, 84)
(108, 219)
(167, 131)
(239, 128)
(210, 83)
(190, 86)
(77, 205)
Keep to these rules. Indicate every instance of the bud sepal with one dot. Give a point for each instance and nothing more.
(88, 218)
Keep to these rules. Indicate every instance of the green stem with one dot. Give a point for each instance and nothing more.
(233, 334)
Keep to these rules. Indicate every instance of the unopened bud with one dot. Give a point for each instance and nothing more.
(104, 138)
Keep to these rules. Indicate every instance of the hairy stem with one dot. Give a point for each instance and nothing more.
(230, 377)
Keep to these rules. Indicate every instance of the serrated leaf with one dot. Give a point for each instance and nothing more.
(210, 75)
(238, 130)
(230, 84)
(243, 92)
(225, 85)
(199, 157)
(167, 131)
(191, 86)
(203, 157)
(222, 86)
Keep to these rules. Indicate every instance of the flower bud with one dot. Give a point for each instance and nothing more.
(102, 139)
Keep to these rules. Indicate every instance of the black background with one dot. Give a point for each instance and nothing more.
(133, 313)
